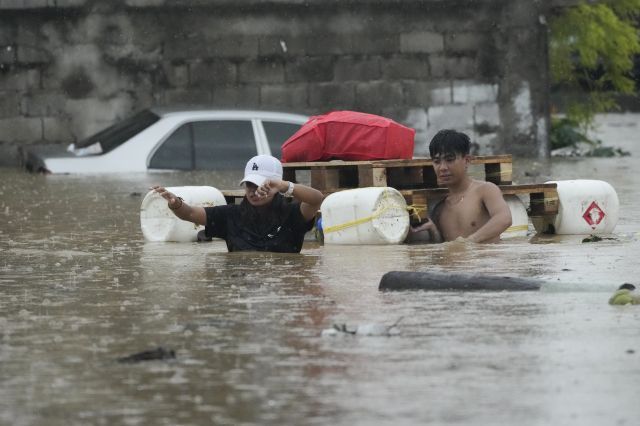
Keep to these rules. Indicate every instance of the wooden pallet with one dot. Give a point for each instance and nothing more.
(417, 173)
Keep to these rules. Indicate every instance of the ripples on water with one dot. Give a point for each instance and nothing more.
(79, 288)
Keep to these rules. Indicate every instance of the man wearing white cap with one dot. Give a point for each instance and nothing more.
(264, 220)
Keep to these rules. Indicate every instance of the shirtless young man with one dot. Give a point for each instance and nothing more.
(474, 210)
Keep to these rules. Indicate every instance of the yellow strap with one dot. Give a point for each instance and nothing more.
(349, 224)
(415, 209)
(516, 228)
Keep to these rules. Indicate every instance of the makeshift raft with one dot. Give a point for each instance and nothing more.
(416, 181)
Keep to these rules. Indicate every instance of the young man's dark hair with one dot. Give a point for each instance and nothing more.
(449, 142)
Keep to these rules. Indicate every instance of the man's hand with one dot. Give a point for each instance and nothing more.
(425, 226)
(172, 199)
(271, 187)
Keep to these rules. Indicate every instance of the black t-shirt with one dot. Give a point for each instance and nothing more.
(286, 235)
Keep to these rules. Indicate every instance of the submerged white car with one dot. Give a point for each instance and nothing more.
(161, 139)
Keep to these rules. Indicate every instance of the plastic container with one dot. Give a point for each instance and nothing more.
(519, 218)
(375, 215)
(158, 222)
(585, 207)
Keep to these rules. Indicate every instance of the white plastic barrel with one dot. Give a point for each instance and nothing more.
(585, 207)
(158, 222)
(375, 215)
(519, 218)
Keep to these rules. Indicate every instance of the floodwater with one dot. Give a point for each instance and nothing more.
(80, 288)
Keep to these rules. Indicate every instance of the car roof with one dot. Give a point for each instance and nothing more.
(225, 113)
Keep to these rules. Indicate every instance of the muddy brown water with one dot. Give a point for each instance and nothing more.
(79, 288)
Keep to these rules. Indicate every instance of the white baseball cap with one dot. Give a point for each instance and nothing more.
(261, 168)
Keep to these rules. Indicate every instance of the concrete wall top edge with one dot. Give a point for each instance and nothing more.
(51, 5)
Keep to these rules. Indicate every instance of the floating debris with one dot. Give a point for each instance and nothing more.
(158, 353)
(594, 239)
(363, 330)
(625, 295)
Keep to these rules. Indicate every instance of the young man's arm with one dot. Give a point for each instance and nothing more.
(499, 215)
(181, 209)
(310, 198)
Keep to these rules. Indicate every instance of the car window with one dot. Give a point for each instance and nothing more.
(223, 145)
(176, 152)
(277, 133)
(116, 135)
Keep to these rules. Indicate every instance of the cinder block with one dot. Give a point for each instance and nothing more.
(177, 75)
(471, 92)
(14, 81)
(458, 117)
(417, 119)
(70, 3)
(9, 156)
(375, 96)
(20, 129)
(414, 67)
(9, 104)
(421, 42)
(309, 69)
(11, 4)
(464, 42)
(32, 56)
(237, 96)
(43, 104)
(359, 68)
(187, 97)
(261, 72)
(91, 115)
(56, 129)
(273, 46)
(290, 97)
(328, 96)
(375, 42)
(7, 54)
(321, 44)
(487, 114)
(36, 4)
(487, 144)
(145, 3)
(232, 47)
(215, 73)
(427, 93)
(437, 66)
(460, 67)
(7, 33)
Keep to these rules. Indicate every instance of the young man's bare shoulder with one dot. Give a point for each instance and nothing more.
(486, 187)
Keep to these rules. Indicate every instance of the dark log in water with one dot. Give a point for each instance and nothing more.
(158, 353)
(402, 280)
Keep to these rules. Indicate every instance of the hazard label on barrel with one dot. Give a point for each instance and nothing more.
(593, 215)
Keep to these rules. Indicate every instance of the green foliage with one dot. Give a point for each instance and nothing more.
(566, 132)
(593, 45)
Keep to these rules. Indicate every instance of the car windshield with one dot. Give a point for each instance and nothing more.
(116, 135)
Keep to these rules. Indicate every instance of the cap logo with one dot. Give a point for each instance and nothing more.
(254, 167)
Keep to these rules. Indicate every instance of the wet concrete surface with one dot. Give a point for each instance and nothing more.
(80, 289)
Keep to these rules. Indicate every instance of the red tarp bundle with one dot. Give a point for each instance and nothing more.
(349, 135)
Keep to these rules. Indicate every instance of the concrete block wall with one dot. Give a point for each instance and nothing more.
(71, 67)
